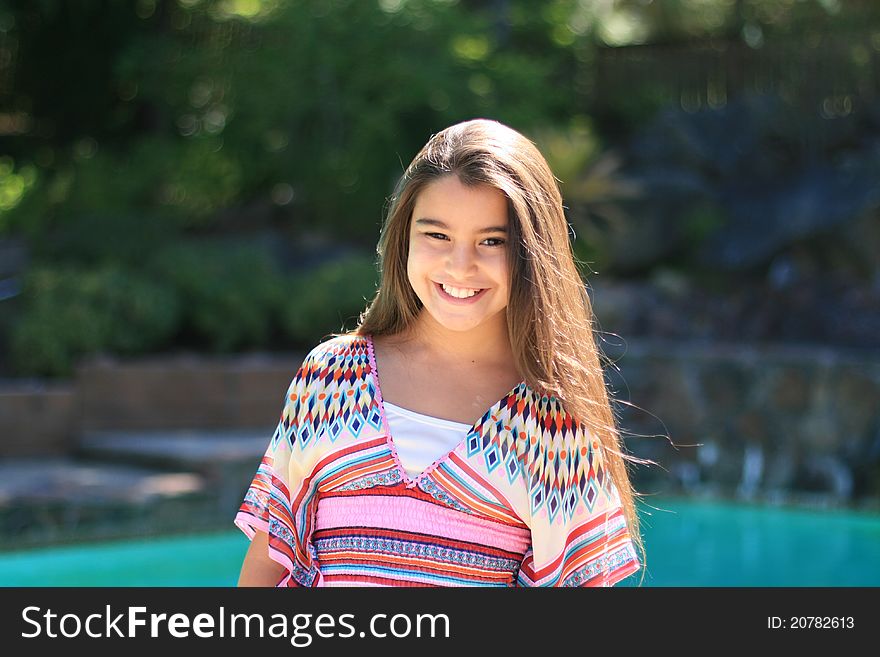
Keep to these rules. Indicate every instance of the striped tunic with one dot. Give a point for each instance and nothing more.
(523, 500)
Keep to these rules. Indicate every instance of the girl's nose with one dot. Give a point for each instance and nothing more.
(461, 261)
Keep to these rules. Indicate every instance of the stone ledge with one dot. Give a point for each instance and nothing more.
(173, 392)
(183, 391)
(743, 353)
(52, 480)
(205, 452)
(60, 500)
(36, 418)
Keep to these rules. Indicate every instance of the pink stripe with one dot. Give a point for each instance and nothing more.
(396, 513)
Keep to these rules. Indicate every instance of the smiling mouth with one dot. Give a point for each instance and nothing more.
(459, 294)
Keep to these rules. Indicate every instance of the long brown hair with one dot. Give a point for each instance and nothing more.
(549, 314)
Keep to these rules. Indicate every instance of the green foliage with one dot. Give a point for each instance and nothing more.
(216, 106)
(229, 294)
(69, 312)
(569, 149)
(588, 257)
(127, 239)
(638, 104)
(14, 185)
(700, 221)
(328, 299)
(186, 181)
(168, 114)
(215, 297)
(187, 107)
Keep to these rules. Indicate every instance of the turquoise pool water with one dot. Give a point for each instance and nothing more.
(688, 544)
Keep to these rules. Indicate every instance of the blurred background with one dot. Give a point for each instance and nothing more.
(191, 193)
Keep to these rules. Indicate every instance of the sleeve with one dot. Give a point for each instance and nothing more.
(580, 536)
(282, 497)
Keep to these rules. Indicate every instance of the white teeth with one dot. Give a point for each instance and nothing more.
(459, 292)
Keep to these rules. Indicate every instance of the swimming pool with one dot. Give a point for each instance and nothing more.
(689, 543)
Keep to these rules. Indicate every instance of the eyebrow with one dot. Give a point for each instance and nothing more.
(427, 221)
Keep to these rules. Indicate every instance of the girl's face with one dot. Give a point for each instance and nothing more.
(458, 253)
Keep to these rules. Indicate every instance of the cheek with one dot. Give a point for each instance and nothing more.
(503, 269)
(418, 259)
(412, 269)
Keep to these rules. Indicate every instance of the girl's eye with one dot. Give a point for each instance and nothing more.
(494, 241)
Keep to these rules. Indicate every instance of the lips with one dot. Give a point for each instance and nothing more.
(448, 297)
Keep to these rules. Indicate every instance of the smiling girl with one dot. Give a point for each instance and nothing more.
(489, 455)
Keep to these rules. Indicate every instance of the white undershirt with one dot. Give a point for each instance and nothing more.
(421, 439)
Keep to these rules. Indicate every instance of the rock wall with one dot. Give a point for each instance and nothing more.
(767, 421)
(747, 421)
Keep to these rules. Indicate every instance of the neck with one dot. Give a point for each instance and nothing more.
(486, 344)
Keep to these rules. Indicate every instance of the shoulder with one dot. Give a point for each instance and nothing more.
(539, 411)
(340, 365)
(547, 437)
(561, 461)
(341, 352)
(535, 426)
(347, 345)
(334, 381)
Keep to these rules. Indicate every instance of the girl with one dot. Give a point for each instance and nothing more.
(462, 435)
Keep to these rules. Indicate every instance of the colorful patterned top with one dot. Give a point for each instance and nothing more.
(513, 504)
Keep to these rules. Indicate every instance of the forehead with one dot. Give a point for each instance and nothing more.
(450, 201)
